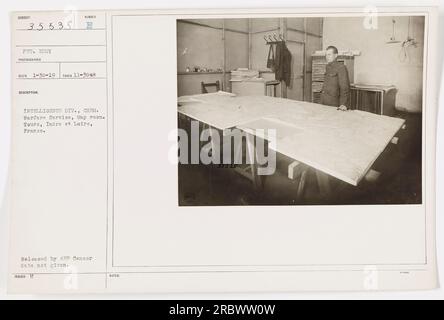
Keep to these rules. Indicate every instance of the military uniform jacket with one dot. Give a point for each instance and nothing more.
(336, 87)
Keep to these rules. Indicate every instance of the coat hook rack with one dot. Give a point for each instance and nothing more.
(273, 39)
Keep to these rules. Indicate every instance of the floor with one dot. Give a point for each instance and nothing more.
(400, 181)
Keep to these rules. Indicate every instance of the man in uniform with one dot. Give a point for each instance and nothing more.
(336, 87)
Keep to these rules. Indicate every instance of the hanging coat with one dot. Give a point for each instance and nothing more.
(270, 60)
(283, 63)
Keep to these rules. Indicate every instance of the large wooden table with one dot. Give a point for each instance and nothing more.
(342, 144)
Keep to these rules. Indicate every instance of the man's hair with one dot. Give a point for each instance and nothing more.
(335, 50)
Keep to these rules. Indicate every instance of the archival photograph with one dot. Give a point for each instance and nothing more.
(300, 110)
(224, 151)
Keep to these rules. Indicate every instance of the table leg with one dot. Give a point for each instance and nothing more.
(301, 185)
(251, 154)
(238, 155)
(323, 184)
(204, 127)
(211, 165)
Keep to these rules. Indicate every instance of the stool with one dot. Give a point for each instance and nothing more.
(273, 84)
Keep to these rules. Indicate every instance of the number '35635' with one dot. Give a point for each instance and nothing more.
(50, 26)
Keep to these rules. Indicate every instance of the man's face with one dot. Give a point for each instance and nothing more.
(330, 56)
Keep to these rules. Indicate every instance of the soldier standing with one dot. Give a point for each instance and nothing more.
(336, 87)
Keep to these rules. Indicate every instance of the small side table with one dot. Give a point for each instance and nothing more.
(379, 99)
(254, 87)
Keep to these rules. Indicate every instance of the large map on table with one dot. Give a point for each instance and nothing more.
(343, 144)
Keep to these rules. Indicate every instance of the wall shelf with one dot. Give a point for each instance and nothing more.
(216, 72)
(202, 73)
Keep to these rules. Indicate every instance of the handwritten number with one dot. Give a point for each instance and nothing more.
(51, 26)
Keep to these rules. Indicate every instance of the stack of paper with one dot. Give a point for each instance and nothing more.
(241, 74)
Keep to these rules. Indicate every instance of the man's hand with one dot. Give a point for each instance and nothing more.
(342, 108)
